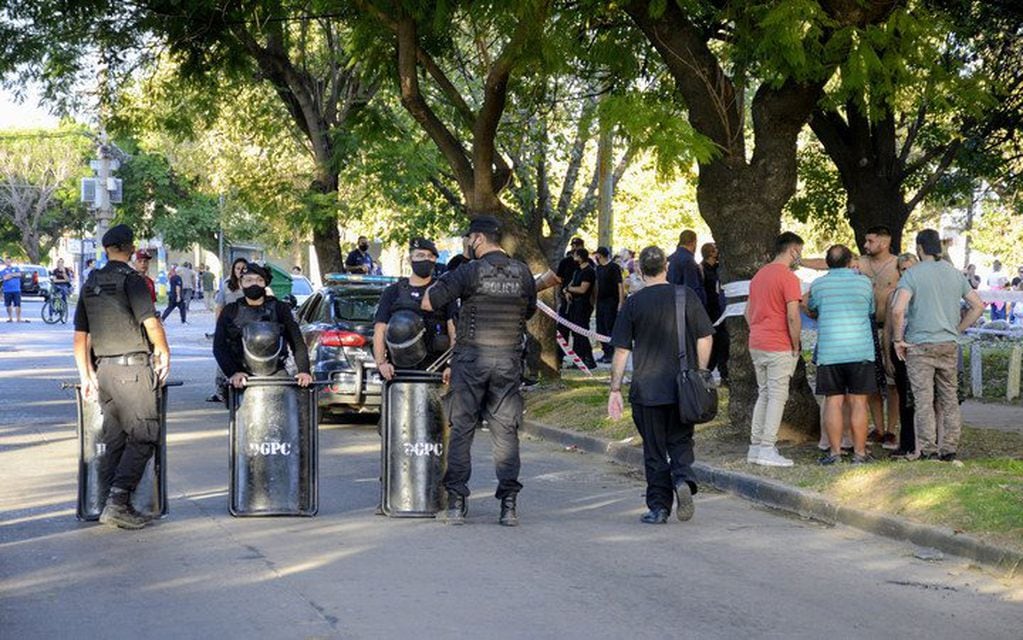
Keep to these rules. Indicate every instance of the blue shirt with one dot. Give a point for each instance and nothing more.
(844, 302)
(682, 269)
(14, 284)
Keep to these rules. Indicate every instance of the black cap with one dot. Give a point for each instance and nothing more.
(261, 271)
(425, 244)
(484, 224)
(603, 251)
(121, 235)
(930, 241)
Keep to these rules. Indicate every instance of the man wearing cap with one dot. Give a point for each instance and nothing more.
(122, 357)
(141, 265)
(927, 325)
(498, 296)
(255, 306)
(407, 295)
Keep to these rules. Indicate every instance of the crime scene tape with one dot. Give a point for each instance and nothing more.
(576, 360)
(593, 335)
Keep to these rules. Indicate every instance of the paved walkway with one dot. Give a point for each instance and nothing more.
(991, 415)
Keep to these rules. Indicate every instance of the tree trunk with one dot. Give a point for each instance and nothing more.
(326, 237)
(875, 200)
(742, 206)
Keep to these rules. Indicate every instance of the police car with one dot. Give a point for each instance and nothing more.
(337, 324)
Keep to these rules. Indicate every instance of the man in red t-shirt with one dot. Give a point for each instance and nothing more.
(142, 258)
(774, 325)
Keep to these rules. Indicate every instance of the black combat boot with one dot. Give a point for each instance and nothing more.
(508, 516)
(118, 511)
(457, 509)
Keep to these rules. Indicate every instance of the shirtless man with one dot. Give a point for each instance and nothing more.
(879, 264)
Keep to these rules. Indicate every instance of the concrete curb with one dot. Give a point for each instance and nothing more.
(807, 504)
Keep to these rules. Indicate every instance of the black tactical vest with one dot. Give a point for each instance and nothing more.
(246, 314)
(435, 322)
(493, 312)
(113, 330)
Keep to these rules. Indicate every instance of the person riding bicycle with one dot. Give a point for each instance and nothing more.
(61, 278)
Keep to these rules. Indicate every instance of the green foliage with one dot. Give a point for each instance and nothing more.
(820, 196)
(998, 231)
(158, 201)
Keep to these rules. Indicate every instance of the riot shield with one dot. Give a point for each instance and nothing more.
(414, 451)
(273, 433)
(150, 496)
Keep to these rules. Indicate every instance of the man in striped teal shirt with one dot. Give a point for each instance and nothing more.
(843, 303)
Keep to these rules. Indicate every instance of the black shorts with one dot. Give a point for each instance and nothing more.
(856, 378)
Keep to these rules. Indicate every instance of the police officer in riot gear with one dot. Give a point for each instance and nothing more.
(122, 357)
(498, 297)
(257, 311)
(396, 332)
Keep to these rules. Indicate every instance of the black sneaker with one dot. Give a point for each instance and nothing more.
(829, 459)
(684, 496)
(121, 516)
(508, 516)
(457, 509)
(947, 457)
(655, 516)
(928, 456)
(866, 458)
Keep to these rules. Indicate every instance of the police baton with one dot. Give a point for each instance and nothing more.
(76, 385)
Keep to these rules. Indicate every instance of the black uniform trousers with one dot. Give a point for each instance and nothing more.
(485, 386)
(719, 351)
(667, 452)
(173, 301)
(579, 313)
(131, 421)
(562, 329)
(907, 431)
(607, 311)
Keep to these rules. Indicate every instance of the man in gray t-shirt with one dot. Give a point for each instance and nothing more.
(927, 327)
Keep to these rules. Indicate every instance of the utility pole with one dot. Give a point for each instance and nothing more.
(104, 209)
(220, 238)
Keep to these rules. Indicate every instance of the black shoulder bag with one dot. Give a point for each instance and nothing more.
(697, 397)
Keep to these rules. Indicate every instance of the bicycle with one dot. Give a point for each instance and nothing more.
(54, 307)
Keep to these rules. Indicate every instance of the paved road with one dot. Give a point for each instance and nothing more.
(580, 566)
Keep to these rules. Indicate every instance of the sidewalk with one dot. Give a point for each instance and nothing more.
(992, 415)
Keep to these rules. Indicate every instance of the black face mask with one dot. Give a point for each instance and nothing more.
(254, 292)
(422, 268)
(363, 246)
(472, 252)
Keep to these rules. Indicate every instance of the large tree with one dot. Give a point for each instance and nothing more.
(927, 111)
(301, 49)
(750, 74)
(39, 173)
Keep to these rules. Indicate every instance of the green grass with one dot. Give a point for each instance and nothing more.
(983, 496)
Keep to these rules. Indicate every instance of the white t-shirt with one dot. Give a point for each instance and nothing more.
(997, 280)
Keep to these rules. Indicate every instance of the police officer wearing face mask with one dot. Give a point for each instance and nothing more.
(122, 357)
(498, 296)
(401, 303)
(254, 307)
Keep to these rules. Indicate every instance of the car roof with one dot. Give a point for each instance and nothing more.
(341, 289)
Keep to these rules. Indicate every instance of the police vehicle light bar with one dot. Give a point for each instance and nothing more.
(351, 278)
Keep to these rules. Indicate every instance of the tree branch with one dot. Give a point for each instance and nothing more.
(932, 180)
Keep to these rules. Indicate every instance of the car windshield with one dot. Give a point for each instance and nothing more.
(356, 307)
(301, 287)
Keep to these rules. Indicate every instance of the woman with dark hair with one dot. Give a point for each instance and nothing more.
(231, 288)
(230, 291)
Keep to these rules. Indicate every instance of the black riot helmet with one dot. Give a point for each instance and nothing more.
(263, 346)
(406, 339)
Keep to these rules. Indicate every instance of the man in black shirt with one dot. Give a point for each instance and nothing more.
(610, 296)
(715, 307)
(566, 271)
(682, 267)
(255, 306)
(580, 296)
(122, 356)
(647, 328)
(359, 260)
(498, 296)
(407, 295)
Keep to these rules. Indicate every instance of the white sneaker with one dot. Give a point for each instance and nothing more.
(769, 457)
(754, 453)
